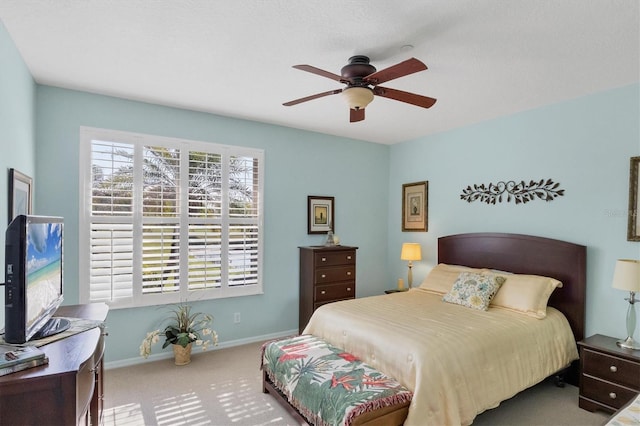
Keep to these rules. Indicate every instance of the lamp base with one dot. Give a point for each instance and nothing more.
(628, 343)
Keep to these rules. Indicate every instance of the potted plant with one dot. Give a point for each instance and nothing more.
(184, 329)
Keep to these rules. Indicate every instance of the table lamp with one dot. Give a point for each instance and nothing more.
(410, 252)
(626, 276)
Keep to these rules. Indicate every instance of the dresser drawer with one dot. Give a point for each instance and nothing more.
(612, 369)
(335, 291)
(345, 257)
(331, 275)
(605, 392)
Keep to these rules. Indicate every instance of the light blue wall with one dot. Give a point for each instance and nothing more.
(584, 144)
(298, 164)
(17, 121)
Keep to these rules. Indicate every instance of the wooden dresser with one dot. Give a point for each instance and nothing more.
(69, 389)
(327, 274)
(609, 375)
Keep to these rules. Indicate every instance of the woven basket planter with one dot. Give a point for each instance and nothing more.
(182, 355)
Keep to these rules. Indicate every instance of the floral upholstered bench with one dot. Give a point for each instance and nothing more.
(323, 385)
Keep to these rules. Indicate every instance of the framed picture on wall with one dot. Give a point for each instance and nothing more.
(633, 228)
(415, 206)
(320, 217)
(20, 188)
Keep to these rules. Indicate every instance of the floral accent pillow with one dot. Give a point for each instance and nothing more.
(474, 290)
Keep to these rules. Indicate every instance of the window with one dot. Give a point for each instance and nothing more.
(164, 220)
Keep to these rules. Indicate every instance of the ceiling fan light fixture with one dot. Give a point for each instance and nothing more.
(357, 97)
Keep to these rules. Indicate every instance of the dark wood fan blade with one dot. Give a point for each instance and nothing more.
(356, 115)
(399, 95)
(401, 69)
(312, 97)
(318, 71)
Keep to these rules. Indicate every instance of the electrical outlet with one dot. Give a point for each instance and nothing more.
(236, 318)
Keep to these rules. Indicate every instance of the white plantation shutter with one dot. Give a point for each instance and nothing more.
(111, 251)
(243, 231)
(205, 256)
(205, 192)
(160, 258)
(243, 255)
(163, 218)
(111, 197)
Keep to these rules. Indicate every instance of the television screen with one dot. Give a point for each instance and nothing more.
(34, 284)
(44, 263)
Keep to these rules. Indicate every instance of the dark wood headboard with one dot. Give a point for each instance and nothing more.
(525, 254)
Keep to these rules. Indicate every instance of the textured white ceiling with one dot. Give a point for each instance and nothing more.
(486, 58)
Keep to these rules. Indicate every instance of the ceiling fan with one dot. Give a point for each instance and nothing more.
(362, 79)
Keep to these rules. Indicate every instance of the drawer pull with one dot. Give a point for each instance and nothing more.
(324, 276)
(613, 368)
(349, 273)
(323, 292)
(324, 259)
(348, 257)
(612, 395)
(348, 288)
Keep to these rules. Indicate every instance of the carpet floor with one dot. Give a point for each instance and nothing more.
(223, 388)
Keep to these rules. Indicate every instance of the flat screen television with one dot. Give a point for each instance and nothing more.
(33, 278)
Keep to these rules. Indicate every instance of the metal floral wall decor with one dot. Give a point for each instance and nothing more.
(520, 192)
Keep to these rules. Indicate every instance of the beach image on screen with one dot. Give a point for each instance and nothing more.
(44, 262)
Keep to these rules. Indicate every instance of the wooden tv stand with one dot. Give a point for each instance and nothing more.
(69, 389)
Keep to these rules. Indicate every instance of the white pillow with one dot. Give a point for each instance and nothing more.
(528, 294)
(441, 278)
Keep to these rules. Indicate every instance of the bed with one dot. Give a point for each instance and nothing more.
(459, 361)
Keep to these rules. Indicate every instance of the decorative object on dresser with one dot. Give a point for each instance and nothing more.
(520, 192)
(320, 214)
(69, 388)
(410, 252)
(327, 274)
(627, 277)
(415, 206)
(633, 227)
(609, 375)
(332, 240)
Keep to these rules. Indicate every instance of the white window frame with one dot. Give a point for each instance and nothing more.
(89, 134)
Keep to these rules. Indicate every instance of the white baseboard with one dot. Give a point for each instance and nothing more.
(221, 345)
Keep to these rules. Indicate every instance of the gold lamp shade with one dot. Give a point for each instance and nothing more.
(411, 251)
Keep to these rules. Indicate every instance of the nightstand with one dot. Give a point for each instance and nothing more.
(609, 375)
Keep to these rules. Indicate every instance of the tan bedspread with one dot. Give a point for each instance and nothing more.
(458, 361)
